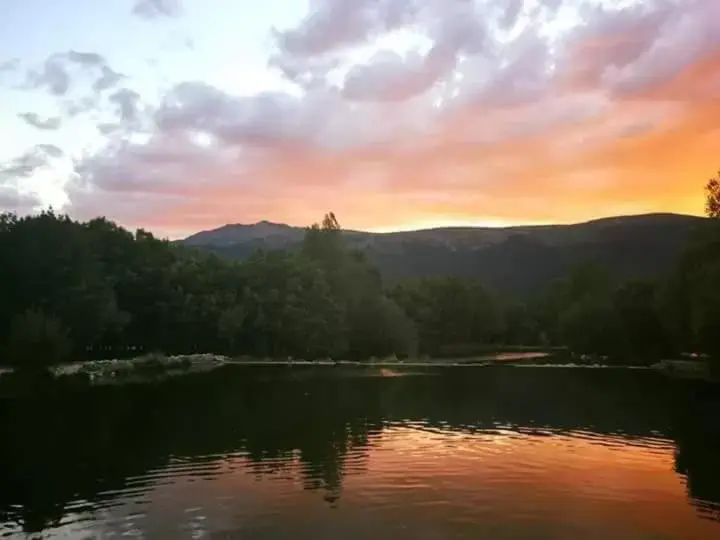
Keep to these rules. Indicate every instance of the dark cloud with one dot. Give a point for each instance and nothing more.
(30, 161)
(154, 9)
(12, 200)
(55, 75)
(107, 79)
(127, 102)
(35, 120)
(86, 58)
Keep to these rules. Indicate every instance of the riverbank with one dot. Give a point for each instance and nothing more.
(696, 369)
(146, 368)
(153, 367)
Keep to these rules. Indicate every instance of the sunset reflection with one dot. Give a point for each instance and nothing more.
(361, 456)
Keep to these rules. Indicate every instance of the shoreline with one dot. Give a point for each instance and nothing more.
(155, 367)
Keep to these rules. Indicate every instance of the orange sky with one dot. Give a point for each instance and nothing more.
(649, 153)
(576, 150)
(400, 115)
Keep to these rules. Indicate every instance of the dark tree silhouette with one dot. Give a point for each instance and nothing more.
(712, 197)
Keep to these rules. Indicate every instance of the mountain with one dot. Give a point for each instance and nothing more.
(271, 234)
(514, 260)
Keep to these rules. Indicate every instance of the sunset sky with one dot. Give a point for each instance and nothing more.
(181, 115)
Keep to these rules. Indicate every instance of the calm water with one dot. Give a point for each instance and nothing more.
(316, 453)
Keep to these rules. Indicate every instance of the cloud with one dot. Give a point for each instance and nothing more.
(12, 200)
(108, 78)
(30, 161)
(410, 111)
(80, 105)
(127, 102)
(389, 76)
(53, 76)
(268, 118)
(24, 165)
(644, 46)
(50, 150)
(9, 65)
(144, 176)
(37, 121)
(81, 84)
(154, 9)
(55, 73)
(86, 58)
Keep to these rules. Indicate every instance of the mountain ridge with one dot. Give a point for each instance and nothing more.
(454, 228)
(518, 260)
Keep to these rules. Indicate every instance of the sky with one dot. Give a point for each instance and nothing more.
(183, 115)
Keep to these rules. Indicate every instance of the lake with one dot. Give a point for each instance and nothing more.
(351, 453)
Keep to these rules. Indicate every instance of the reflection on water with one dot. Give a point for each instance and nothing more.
(331, 453)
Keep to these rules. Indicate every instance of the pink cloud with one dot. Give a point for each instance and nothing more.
(495, 116)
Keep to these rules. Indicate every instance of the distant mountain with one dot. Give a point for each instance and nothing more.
(229, 235)
(514, 260)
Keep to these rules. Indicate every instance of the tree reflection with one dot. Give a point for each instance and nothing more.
(86, 445)
(697, 454)
(75, 451)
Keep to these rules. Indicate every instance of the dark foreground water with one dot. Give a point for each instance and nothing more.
(275, 453)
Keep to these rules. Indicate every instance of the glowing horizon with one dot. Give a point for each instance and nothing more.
(480, 113)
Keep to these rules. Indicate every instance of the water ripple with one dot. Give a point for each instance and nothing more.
(375, 457)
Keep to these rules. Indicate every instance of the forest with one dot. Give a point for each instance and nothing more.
(88, 290)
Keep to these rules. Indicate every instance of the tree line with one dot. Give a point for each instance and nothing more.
(77, 290)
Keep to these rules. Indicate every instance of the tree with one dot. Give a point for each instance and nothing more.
(379, 327)
(581, 291)
(589, 326)
(712, 197)
(640, 330)
(36, 340)
(452, 315)
(691, 297)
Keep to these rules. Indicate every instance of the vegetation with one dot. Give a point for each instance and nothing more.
(95, 290)
(712, 197)
(516, 262)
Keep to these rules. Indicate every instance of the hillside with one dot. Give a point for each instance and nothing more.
(513, 260)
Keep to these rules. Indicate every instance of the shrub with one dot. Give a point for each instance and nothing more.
(37, 340)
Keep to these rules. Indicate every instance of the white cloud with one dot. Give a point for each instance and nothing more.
(25, 165)
(389, 80)
(154, 9)
(12, 200)
(35, 120)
